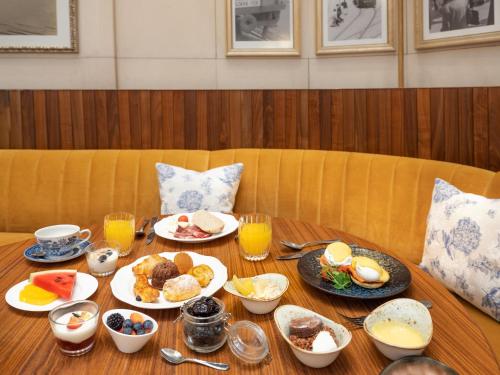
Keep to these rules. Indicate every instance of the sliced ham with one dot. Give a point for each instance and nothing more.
(191, 231)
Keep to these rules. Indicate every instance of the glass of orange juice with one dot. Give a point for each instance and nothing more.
(255, 235)
(120, 227)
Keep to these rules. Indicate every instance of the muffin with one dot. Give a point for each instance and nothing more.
(163, 272)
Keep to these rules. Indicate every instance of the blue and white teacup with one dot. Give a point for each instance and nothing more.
(58, 240)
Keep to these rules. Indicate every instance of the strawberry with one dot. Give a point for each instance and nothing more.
(74, 322)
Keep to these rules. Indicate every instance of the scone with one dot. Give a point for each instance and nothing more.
(143, 291)
(181, 288)
(183, 262)
(202, 273)
(147, 265)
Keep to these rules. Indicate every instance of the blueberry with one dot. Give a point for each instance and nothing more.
(141, 332)
(138, 298)
(127, 331)
(109, 253)
(102, 258)
(128, 323)
(148, 325)
(137, 327)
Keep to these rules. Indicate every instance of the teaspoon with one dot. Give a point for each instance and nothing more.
(173, 356)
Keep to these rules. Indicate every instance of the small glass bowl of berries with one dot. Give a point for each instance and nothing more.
(129, 329)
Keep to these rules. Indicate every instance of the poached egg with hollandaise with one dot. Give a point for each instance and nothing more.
(337, 254)
(367, 273)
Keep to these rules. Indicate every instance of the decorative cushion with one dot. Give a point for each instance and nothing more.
(184, 190)
(462, 245)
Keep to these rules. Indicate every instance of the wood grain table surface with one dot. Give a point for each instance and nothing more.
(27, 345)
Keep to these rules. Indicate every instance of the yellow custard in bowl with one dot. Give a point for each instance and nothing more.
(398, 334)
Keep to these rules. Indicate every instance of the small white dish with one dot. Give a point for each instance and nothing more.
(404, 310)
(85, 286)
(129, 343)
(122, 285)
(166, 227)
(282, 317)
(261, 306)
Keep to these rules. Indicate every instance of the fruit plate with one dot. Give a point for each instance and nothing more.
(85, 286)
(309, 269)
(123, 282)
(166, 227)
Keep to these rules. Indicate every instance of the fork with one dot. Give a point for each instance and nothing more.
(359, 320)
(300, 246)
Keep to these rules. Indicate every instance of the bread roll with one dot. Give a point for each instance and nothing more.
(207, 222)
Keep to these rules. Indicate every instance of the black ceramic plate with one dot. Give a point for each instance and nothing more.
(400, 277)
(416, 363)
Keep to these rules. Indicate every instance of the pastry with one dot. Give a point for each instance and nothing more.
(305, 327)
(181, 288)
(147, 265)
(183, 262)
(202, 273)
(143, 291)
(162, 272)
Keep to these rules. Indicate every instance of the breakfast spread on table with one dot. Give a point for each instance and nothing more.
(340, 268)
(165, 275)
(182, 277)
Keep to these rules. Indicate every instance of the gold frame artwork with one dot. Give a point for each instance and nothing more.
(449, 41)
(322, 49)
(41, 47)
(232, 50)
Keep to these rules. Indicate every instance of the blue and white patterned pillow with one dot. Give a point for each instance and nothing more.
(184, 190)
(462, 245)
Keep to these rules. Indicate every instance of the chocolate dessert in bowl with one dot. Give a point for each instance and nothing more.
(315, 340)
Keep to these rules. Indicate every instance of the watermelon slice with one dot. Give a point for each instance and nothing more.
(60, 282)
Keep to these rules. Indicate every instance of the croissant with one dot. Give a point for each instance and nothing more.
(147, 265)
(202, 273)
(145, 291)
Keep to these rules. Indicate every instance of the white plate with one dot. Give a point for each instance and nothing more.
(165, 227)
(123, 282)
(85, 286)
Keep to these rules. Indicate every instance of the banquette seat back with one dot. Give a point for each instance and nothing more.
(383, 199)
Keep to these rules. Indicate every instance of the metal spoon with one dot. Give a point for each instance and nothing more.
(39, 254)
(173, 356)
(140, 232)
(300, 246)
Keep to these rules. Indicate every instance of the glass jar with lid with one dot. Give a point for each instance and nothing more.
(205, 329)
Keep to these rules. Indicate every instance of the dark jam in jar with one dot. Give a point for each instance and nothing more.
(204, 320)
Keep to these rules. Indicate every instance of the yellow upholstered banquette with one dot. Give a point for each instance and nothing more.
(383, 199)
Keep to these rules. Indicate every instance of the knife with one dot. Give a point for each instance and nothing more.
(151, 233)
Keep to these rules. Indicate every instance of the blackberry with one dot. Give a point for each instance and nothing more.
(115, 321)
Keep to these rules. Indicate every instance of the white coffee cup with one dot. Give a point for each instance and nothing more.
(58, 240)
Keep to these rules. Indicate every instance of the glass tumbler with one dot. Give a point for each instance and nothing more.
(255, 236)
(120, 227)
(102, 257)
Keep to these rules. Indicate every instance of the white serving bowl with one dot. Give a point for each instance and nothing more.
(282, 317)
(402, 310)
(261, 306)
(129, 343)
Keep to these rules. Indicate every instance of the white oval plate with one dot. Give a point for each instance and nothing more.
(85, 286)
(166, 227)
(123, 282)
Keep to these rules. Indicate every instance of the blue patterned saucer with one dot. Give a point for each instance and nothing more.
(74, 253)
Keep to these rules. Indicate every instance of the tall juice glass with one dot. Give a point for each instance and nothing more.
(120, 227)
(255, 236)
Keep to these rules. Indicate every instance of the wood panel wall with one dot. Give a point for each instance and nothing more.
(453, 124)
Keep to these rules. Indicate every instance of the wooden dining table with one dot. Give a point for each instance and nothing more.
(27, 345)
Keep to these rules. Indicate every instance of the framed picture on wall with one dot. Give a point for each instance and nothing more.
(263, 27)
(354, 26)
(446, 23)
(38, 26)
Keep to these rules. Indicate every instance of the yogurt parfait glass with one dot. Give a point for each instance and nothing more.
(102, 257)
(74, 325)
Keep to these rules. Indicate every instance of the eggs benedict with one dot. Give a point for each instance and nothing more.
(367, 273)
(337, 254)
